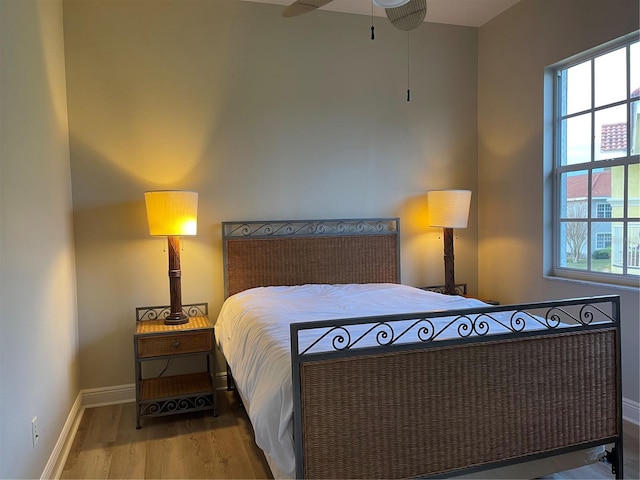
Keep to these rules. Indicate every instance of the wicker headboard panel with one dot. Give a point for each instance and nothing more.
(258, 254)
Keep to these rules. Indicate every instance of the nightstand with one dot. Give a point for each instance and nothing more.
(460, 289)
(485, 300)
(153, 340)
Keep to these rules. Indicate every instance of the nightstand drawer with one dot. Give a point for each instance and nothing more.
(155, 346)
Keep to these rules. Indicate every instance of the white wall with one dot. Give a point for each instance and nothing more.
(267, 118)
(39, 374)
(513, 51)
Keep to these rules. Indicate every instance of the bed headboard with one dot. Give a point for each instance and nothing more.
(269, 253)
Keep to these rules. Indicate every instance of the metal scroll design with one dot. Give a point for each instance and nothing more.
(424, 330)
(310, 227)
(165, 407)
(586, 315)
(162, 311)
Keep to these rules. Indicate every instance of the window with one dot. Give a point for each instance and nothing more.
(596, 164)
(603, 210)
(603, 240)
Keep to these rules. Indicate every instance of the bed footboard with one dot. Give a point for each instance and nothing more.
(442, 404)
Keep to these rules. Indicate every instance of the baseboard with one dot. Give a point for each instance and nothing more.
(99, 397)
(631, 411)
(57, 459)
(94, 397)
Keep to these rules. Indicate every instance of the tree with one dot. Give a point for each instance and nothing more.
(576, 231)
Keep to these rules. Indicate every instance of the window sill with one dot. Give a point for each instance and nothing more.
(591, 283)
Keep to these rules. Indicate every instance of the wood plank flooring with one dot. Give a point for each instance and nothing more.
(194, 445)
(198, 445)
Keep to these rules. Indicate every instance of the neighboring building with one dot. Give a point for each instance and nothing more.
(577, 197)
(614, 144)
(607, 198)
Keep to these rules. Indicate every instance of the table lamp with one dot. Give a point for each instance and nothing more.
(173, 214)
(449, 209)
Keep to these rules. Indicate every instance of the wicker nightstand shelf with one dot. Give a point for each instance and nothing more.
(153, 340)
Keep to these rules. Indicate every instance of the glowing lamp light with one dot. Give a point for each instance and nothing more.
(173, 213)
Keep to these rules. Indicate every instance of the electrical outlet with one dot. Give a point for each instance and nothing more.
(34, 431)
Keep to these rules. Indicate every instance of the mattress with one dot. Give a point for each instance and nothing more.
(252, 331)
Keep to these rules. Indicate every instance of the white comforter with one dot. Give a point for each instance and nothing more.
(252, 332)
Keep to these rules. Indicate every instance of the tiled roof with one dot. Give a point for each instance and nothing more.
(614, 137)
(601, 185)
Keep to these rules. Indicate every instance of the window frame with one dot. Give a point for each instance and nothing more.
(592, 165)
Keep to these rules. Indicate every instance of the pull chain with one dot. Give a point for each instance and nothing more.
(408, 69)
(373, 34)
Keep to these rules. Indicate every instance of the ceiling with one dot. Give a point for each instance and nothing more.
(469, 13)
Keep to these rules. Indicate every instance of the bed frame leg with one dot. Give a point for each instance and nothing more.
(231, 386)
(230, 383)
(614, 458)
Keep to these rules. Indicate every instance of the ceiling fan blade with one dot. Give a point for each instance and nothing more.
(300, 7)
(389, 3)
(408, 16)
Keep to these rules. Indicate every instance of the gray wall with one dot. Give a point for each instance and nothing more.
(513, 51)
(39, 369)
(267, 118)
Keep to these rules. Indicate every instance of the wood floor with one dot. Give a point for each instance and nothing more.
(198, 445)
(195, 445)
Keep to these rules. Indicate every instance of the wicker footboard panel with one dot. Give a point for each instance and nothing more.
(437, 410)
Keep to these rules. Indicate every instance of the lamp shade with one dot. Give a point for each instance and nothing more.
(449, 208)
(172, 212)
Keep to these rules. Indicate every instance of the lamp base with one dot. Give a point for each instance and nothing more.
(176, 315)
(176, 319)
(449, 278)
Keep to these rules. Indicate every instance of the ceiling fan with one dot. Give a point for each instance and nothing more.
(403, 14)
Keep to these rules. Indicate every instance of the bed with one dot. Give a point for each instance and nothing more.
(347, 373)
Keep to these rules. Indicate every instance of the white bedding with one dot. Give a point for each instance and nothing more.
(252, 332)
